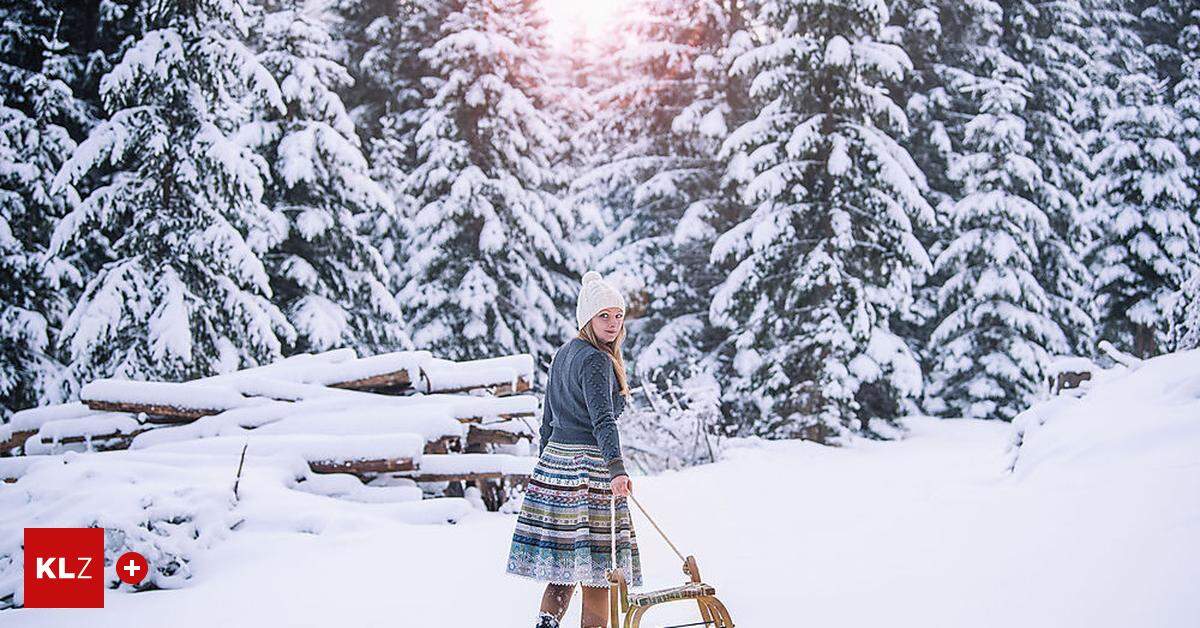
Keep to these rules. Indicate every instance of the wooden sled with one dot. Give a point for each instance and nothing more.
(712, 612)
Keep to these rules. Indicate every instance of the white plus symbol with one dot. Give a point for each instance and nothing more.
(132, 568)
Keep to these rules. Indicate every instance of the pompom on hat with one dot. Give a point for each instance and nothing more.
(594, 295)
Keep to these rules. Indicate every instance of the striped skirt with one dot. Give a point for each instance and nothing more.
(562, 533)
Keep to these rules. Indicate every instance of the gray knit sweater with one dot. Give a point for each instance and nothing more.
(583, 401)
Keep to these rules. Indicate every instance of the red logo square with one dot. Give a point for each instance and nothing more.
(64, 567)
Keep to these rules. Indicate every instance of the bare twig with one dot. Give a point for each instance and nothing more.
(239, 473)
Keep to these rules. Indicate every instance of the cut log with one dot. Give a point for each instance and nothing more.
(491, 493)
(498, 389)
(158, 414)
(101, 442)
(469, 466)
(323, 449)
(463, 477)
(494, 488)
(122, 440)
(506, 389)
(24, 423)
(444, 445)
(1067, 372)
(503, 415)
(15, 445)
(496, 375)
(173, 401)
(357, 467)
(1067, 380)
(104, 430)
(397, 381)
(477, 435)
(170, 415)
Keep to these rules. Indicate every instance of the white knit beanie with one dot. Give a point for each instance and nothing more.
(594, 295)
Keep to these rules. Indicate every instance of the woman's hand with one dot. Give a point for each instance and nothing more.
(622, 486)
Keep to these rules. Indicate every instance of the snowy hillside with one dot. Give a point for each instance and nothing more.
(1095, 526)
(1143, 419)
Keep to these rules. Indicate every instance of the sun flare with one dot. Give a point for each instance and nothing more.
(586, 18)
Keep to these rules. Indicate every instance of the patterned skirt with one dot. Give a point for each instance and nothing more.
(562, 533)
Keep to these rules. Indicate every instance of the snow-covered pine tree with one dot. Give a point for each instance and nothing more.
(185, 293)
(1187, 105)
(384, 39)
(583, 69)
(37, 105)
(1186, 329)
(98, 31)
(663, 122)
(589, 146)
(1147, 240)
(492, 269)
(827, 257)
(1161, 25)
(1103, 30)
(1176, 26)
(379, 42)
(581, 65)
(933, 34)
(995, 332)
(354, 26)
(1110, 31)
(325, 275)
(1186, 93)
(1049, 39)
(934, 38)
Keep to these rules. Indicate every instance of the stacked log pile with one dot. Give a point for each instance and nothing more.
(397, 418)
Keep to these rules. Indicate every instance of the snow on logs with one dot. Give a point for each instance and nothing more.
(1068, 372)
(394, 415)
(492, 474)
(249, 396)
(163, 402)
(26, 423)
(449, 467)
(398, 372)
(389, 372)
(324, 453)
(501, 376)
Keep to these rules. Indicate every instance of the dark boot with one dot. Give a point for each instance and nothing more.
(546, 620)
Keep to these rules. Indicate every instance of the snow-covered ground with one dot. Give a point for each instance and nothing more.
(1098, 525)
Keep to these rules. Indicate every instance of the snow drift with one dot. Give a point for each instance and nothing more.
(1143, 418)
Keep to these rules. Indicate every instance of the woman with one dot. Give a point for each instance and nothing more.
(563, 534)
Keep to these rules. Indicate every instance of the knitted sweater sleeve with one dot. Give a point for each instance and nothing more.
(598, 380)
(544, 433)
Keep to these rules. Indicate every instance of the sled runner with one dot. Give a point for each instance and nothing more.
(712, 612)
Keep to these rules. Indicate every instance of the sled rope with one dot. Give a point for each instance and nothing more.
(612, 527)
(612, 520)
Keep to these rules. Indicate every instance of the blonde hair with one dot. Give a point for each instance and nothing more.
(613, 349)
